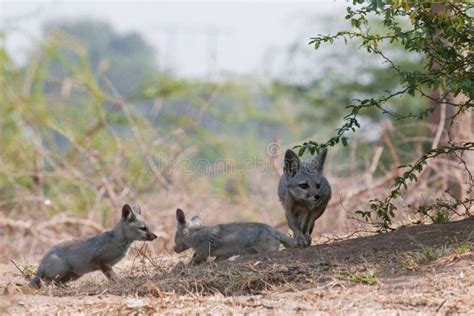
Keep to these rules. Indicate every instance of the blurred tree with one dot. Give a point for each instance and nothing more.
(321, 96)
(125, 59)
(442, 34)
(62, 148)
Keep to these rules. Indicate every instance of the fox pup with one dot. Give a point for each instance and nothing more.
(70, 260)
(304, 193)
(226, 240)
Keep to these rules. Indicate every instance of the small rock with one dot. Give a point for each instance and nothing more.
(135, 303)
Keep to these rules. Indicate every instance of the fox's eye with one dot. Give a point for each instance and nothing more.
(142, 228)
(303, 185)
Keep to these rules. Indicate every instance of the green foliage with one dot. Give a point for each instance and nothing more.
(225, 119)
(66, 148)
(322, 105)
(70, 139)
(463, 248)
(442, 34)
(124, 59)
(428, 254)
(385, 209)
(368, 277)
(441, 217)
(69, 136)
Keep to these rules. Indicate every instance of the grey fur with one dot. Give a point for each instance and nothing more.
(70, 260)
(304, 193)
(226, 240)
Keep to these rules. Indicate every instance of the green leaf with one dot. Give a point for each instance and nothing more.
(344, 141)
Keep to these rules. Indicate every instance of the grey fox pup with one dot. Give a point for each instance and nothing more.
(70, 260)
(226, 240)
(304, 193)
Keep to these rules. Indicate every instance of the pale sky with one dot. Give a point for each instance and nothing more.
(193, 38)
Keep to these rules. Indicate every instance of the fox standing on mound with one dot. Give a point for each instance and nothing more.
(304, 193)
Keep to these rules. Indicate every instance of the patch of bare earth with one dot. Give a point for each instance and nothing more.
(418, 270)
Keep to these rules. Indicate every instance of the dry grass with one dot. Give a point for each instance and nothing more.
(359, 260)
(27, 237)
(363, 274)
(87, 186)
(52, 196)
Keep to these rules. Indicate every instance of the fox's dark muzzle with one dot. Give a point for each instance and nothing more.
(178, 249)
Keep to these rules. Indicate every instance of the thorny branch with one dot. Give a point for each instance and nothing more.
(452, 74)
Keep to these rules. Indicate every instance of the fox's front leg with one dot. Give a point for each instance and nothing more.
(307, 224)
(294, 225)
(108, 272)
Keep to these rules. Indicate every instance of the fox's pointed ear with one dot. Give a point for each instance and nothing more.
(180, 216)
(127, 212)
(291, 163)
(318, 162)
(195, 221)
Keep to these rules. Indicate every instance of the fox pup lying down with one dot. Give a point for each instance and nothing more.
(226, 240)
(70, 260)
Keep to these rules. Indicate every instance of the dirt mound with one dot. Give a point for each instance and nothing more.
(364, 259)
(422, 269)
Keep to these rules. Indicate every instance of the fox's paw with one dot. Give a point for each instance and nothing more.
(301, 241)
(309, 240)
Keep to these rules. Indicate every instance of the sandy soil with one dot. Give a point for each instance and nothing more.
(414, 270)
